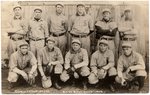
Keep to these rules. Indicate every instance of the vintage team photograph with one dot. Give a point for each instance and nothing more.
(74, 47)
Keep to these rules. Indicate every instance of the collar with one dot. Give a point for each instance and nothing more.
(103, 52)
(16, 17)
(129, 55)
(47, 49)
(128, 19)
(110, 20)
(58, 14)
(75, 52)
(77, 14)
(38, 20)
(19, 52)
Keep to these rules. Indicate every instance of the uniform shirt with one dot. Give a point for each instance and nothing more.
(99, 59)
(19, 26)
(45, 56)
(38, 29)
(127, 27)
(104, 27)
(57, 23)
(135, 60)
(79, 58)
(80, 24)
(22, 61)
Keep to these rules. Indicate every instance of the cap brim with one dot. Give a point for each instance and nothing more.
(38, 9)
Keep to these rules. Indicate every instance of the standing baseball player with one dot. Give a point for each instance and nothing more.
(58, 26)
(81, 26)
(22, 64)
(38, 31)
(50, 61)
(130, 68)
(102, 66)
(106, 29)
(127, 30)
(17, 31)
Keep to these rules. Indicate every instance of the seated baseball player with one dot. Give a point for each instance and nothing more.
(76, 62)
(50, 62)
(22, 64)
(102, 66)
(130, 68)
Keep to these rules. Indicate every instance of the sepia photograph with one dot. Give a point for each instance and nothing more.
(75, 47)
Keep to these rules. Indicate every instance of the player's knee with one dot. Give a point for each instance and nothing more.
(12, 77)
(85, 71)
(112, 71)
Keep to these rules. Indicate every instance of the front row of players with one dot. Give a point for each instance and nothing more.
(130, 67)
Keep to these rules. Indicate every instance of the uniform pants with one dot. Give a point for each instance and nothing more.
(61, 42)
(49, 71)
(35, 46)
(83, 78)
(139, 79)
(108, 80)
(13, 77)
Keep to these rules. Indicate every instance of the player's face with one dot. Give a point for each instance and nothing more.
(17, 11)
(106, 16)
(50, 45)
(80, 9)
(127, 51)
(75, 46)
(128, 14)
(59, 9)
(103, 47)
(24, 49)
(37, 14)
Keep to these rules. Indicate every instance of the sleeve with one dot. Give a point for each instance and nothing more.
(24, 26)
(123, 28)
(120, 64)
(120, 67)
(33, 59)
(139, 65)
(29, 30)
(113, 25)
(46, 30)
(67, 60)
(110, 32)
(12, 62)
(60, 57)
(49, 23)
(85, 61)
(66, 24)
(93, 64)
(70, 24)
(91, 23)
(33, 63)
(39, 58)
(110, 60)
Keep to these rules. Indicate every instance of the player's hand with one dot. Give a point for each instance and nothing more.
(24, 75)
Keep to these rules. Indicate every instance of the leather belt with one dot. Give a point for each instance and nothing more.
(36, 39)
(79, 36)
(16, 39)
(107, 38)
(57, 35)
(128, 39)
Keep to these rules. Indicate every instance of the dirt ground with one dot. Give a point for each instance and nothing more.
(67, 88)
